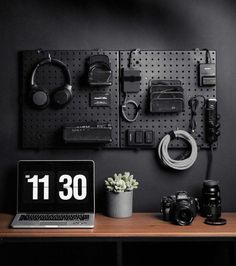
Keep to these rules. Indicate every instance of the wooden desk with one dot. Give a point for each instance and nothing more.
(139, 225)
(124, 234)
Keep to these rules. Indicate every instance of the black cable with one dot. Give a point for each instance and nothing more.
(130, 56)
(193, 104)
(208, 56)
(126, 102)
(210, 162)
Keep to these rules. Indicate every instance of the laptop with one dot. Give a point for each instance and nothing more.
(55, 194)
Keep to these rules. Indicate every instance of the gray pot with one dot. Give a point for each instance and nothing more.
(120, 205)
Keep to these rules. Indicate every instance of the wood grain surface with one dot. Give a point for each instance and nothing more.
(139, 225)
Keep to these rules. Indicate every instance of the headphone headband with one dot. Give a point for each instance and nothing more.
(54, 62)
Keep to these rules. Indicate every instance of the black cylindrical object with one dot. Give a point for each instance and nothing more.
(211, 200)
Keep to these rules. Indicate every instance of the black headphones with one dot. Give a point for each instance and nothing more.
(39, 97)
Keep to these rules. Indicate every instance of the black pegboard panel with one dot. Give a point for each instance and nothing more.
(43, 128)
(166, 65)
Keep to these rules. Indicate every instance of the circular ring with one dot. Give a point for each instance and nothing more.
(177, 164)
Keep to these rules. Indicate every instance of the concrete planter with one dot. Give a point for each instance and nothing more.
(120, 205)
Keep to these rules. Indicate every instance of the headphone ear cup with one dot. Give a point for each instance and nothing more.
(39, 98)
(61, 97)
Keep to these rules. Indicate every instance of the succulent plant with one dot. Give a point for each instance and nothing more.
(121, 182)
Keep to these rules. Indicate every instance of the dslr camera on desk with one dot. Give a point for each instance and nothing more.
(179, 209)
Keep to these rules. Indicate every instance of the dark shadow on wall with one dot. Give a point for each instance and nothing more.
(159, 16)
(168, 19)
(148, 23)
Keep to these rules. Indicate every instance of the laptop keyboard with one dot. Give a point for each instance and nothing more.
(53, 217)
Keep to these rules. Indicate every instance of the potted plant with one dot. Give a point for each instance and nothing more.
(120, 194)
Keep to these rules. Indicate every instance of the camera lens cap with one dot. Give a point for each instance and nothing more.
(218, 221)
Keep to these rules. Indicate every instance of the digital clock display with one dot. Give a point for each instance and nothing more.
(56, 186)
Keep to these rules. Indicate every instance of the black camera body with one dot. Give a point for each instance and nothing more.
(179, 209)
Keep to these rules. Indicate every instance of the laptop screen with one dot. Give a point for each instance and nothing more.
(55, 186)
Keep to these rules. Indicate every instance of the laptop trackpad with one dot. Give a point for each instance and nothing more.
(48, 224)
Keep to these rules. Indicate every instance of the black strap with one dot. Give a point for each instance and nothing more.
(172, 135)
(132, 78)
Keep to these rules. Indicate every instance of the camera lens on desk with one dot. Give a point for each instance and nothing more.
(211, 200)
(211, 203)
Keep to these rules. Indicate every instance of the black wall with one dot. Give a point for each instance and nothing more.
(113, 25)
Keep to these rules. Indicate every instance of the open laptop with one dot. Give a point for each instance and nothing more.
(55, 194)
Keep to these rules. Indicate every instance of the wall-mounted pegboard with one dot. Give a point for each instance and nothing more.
(167, 65)
(42, 129)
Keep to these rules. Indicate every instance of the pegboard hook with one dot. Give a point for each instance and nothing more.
(137, 50)
(40, 50)
(49, 57)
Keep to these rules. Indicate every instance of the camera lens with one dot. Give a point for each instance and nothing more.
(184, 216)
(211, 200)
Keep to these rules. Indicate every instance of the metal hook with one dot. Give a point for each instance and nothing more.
(49, 57)
(40, 50)
(100, 50)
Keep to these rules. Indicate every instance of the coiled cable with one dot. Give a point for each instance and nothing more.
(136, 106)
(173, 163)
(124, 106)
